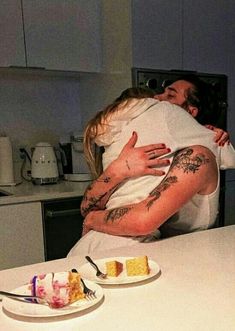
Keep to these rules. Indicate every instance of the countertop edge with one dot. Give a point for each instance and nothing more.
(28, 192)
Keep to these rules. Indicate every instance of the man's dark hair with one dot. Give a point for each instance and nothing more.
(204, 97)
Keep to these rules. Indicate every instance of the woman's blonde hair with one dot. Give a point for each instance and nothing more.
(93, 153)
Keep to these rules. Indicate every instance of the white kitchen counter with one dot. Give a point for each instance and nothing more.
(28, 192)
(195, 291)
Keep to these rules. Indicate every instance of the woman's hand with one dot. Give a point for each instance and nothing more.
(131, 162)
(221, 136)
(139, 161)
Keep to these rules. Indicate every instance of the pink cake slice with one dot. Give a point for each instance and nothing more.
(57, 289)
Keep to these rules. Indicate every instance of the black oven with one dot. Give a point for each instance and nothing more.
(62, 226)
(158, 79)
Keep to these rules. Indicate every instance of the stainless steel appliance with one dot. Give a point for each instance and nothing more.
(44, 165)
(158, 79)
(73, 160)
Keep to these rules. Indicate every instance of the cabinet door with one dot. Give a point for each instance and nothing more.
(11, 34)
(21, 235)
(206, 35)
(63, 35)
(157, 34)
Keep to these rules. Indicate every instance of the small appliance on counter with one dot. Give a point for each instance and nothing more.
(6, 162)
(44, 165)
(74, 163)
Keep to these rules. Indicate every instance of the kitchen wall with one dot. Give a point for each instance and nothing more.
(38, 108)
(35, 108)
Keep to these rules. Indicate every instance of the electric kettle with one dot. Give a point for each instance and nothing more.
(44, 165)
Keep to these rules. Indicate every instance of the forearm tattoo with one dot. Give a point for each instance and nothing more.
(93, 202)
(116, 214)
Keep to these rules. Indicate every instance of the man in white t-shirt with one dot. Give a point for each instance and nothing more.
(135, 219)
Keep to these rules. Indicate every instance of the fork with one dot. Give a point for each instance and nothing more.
(88, 292)
(19, 296)
(98, 272)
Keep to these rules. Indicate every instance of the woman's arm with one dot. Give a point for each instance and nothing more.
(194, 170)
(221, 136)
(132, 162)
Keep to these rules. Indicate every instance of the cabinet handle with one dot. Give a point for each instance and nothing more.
(22, 67)
(61, 213)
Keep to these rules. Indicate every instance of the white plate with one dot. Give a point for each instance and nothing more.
(88, 272)
(23, 308)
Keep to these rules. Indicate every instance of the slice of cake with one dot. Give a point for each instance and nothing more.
(113, 268)
(137, 266)
(57, 289)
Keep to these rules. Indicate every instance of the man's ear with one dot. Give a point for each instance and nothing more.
(193, 110)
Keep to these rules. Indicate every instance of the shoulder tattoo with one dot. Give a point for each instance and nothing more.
(187, 162)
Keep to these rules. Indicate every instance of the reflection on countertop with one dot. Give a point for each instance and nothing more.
(26, 191)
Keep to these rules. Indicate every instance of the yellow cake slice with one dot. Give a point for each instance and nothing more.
(113, 268)
(137, 266)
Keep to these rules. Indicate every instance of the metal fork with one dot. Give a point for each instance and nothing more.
(20, 296)
(90, 295)
(87, 291)
(99, 273)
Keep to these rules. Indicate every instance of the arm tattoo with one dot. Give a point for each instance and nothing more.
(116, 214)
(185, 161)
(127, 164)
(104, 180)
(156, 193)
(188, 163)
(93, 201)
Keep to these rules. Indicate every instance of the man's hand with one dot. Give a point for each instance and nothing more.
(139, 161)
(221, 136)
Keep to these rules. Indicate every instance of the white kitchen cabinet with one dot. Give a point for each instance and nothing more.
(63, 35)
(11, 34)
(55, 34)
(21, 235)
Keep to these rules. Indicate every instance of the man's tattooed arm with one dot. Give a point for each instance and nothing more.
(184, 161)
(98, 193)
